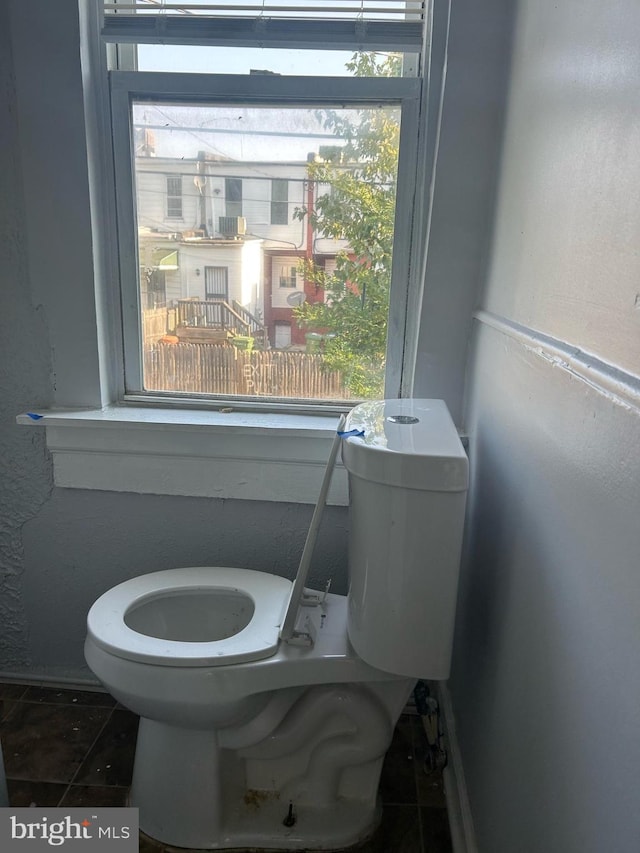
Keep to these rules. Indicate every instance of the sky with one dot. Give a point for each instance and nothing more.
(292, 134)
(301, 132)
(272, 134)
(240, 60)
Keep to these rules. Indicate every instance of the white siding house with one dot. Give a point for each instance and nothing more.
(204, 224)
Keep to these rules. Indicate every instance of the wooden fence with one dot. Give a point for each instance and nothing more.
(154, 326)
(215, 369)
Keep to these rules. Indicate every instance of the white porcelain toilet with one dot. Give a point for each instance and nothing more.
(247, 739)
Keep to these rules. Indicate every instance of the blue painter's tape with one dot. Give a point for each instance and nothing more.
(34, 417)
(349, 433)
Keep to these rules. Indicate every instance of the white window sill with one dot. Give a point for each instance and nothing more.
(244, 455)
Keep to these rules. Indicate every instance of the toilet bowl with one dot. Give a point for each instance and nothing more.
(224, 747)
(248, 740)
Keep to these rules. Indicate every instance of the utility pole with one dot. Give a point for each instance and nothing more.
(311, 291)
(200, 182)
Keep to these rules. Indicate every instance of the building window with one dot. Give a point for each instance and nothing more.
(279, 202)
(288, 277)
(174, 196)
(233, 196)
(340, 155)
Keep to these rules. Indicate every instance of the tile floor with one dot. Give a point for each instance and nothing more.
(66, 747)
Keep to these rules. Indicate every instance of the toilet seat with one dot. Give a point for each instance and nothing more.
(257, 640)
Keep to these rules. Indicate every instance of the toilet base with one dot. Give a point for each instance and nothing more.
(311, 783)
(192, 794)
(258, 825)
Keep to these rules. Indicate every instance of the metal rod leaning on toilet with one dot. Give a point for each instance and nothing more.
(288, 632)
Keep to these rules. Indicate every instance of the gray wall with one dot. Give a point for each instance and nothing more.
(477, 59)
(546, 683)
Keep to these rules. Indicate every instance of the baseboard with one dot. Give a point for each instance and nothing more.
(463, 838)
(37, 679)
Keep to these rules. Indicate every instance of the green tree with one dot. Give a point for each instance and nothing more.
(360, 209)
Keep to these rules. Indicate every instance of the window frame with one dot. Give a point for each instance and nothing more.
(129, 86)
(233, 206)
(98, 436)
(289, 282)
(172, 197)
(279, 213)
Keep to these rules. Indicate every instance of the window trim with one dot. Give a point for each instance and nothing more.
(193, 452)
(127, 86)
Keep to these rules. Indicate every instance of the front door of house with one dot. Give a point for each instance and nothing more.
(216, 283)
(283, 335)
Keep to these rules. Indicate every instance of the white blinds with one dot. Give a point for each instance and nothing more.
(376, 10)
(388, 25)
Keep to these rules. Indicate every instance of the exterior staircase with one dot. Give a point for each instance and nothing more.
(217, 321)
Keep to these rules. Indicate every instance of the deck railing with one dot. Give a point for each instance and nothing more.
(212, 313)
(218, 314)
(254, 325)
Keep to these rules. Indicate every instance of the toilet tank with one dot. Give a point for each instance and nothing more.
(408, 479)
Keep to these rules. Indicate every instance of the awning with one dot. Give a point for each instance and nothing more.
(161, 261)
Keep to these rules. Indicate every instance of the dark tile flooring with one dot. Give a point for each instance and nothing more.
(65, 747)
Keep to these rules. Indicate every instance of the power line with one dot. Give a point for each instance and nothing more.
(244, 132)
(244, 177)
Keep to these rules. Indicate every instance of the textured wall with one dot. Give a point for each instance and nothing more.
(545, 683)
(25, 381)
(82, 543)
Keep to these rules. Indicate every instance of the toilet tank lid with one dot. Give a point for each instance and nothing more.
(410, 443)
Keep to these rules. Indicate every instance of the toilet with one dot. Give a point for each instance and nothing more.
(254, 736)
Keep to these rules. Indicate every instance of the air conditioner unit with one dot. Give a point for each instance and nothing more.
(232, 226)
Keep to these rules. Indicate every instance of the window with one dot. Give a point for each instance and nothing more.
(103, 426)
(279, 202)
(233, 196)
(174, 196)
(288, 277)
(333, 164)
